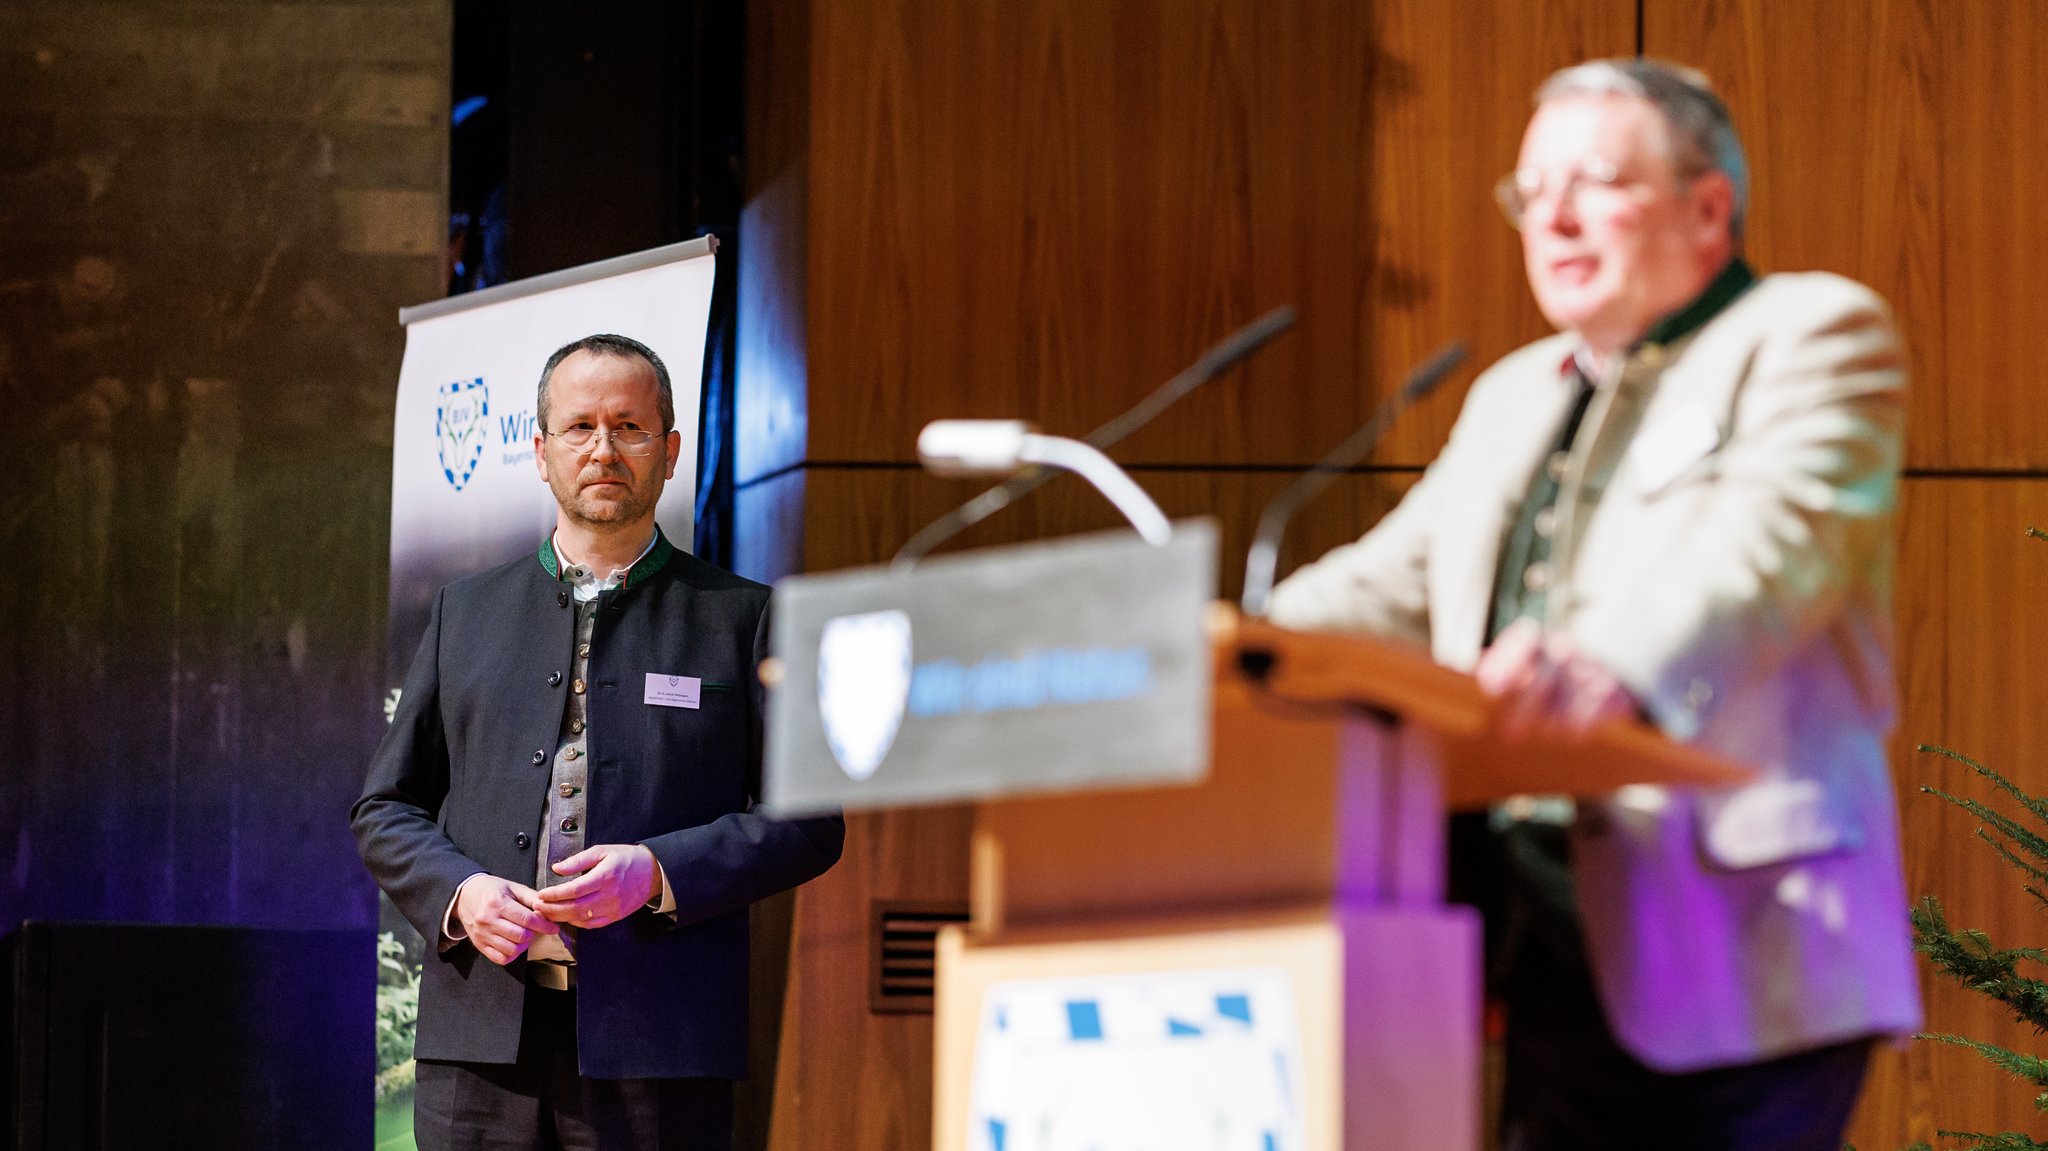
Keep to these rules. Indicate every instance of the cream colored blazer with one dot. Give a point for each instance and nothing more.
(1725, 548)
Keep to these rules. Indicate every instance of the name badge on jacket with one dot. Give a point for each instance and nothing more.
(673, 690)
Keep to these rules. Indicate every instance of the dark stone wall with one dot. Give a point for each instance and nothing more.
(209, 215)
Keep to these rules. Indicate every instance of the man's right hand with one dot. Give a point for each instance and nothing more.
(1546, 688)
(499, 918)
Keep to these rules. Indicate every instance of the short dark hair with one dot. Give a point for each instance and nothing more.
(606, 344)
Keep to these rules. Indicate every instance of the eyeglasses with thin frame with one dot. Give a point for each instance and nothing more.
(1521, 190)
(583, 438)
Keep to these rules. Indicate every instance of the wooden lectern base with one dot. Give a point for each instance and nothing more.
(1380, 1051)
(1262, 959)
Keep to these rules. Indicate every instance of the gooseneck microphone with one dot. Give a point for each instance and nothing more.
(1265, 549)
(1213, 363)
(1000, 447)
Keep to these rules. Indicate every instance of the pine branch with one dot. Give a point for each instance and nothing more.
(2012, 829)
(2029, 870)
(1993, 979)
(1972, 960)
(2005, 1141)
(2008, 827)
(2021, 865)
(1979, 1141)
(1929, 919)
(2038, 806)
(2031, 1068)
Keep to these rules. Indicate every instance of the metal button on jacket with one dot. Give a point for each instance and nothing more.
(521, 840)
(561, 599)
(576, 725)
(554, 678)
(540, 757)
(577, 687)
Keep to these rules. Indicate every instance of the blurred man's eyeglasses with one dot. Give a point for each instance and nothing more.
(1522, 190)
(625, 441)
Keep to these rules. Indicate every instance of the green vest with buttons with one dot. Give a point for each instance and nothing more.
(1523, 580)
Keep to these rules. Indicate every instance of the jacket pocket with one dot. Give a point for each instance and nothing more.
(1776, 821)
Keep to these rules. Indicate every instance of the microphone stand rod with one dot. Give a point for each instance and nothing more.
(1265, 550)
(1213, 363)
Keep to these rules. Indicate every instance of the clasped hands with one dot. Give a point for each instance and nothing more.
(1546, 688)
(612, 881)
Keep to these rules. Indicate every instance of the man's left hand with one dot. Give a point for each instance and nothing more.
(613, 880)
(1546, 688)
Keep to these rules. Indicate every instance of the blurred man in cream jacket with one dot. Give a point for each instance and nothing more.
(1679, 507)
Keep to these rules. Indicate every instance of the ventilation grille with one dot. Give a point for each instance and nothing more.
(903, 953)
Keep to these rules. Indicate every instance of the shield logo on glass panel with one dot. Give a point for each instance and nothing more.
(460, 424)
(863, 684)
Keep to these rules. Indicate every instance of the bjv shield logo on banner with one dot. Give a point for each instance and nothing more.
(459, 428)
(863, 685)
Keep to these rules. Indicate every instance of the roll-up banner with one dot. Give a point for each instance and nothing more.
(466, 494)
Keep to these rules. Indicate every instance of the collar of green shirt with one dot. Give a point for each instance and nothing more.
(1734, 280)
(651, 561)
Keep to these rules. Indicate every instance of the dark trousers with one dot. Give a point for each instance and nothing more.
(1569, 1084)
(541, 1103)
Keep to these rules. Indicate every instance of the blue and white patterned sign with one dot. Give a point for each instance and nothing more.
(1168, 1061)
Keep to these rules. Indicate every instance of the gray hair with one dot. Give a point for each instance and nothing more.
(605, 344)
(1696, 122)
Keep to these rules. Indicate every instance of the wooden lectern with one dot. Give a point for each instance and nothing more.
(1314, 851)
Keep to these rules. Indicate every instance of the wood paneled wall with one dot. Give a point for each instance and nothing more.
(1907, 153)
(1970, 616)
(1043, 209)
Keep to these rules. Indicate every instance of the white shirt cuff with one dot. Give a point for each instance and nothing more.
(664, 902)
(452, 931)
